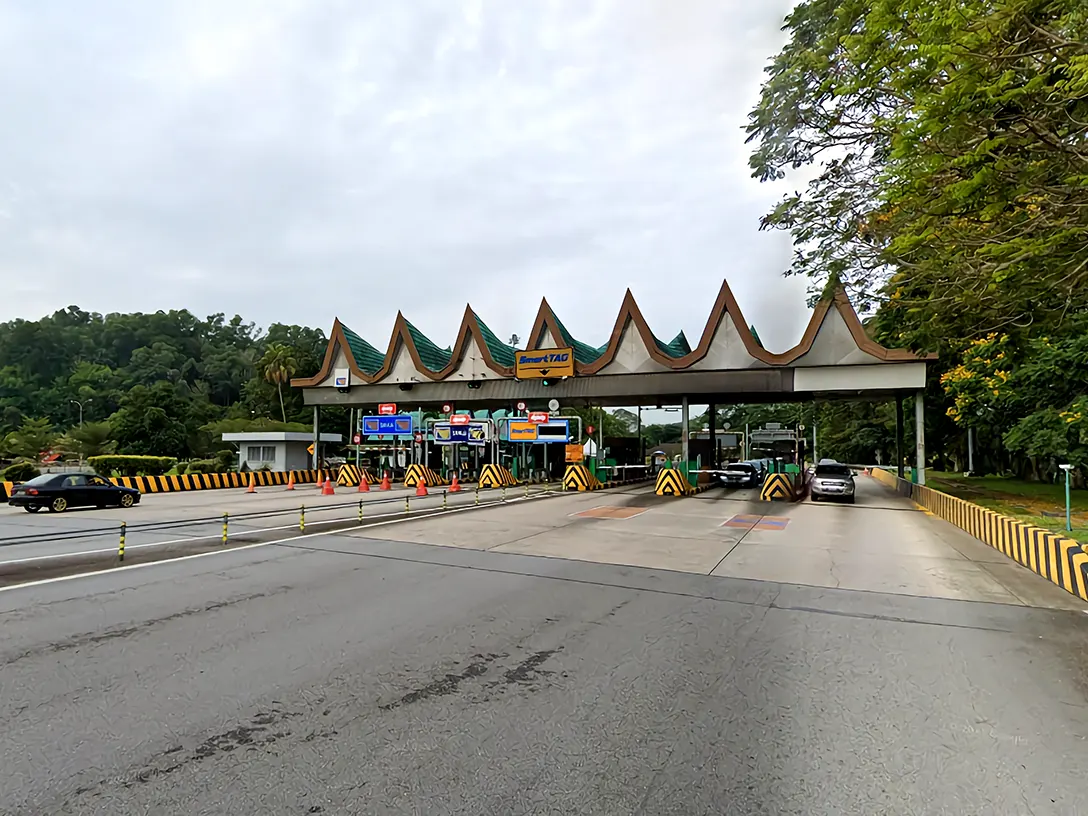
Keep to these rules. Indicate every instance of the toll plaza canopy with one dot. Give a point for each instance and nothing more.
(834, 359)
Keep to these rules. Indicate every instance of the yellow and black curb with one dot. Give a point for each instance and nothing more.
(418, 473)
(1061, 560)
(492, 475)
(777, 487)
(671, 482)
(350, 475)
(578, 477)
(216, 481)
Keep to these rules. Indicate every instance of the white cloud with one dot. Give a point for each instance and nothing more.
(298, 160)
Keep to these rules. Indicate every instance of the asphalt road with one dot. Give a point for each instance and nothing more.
(344, 675)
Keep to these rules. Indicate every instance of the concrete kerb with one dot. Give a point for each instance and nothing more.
(1061, 560)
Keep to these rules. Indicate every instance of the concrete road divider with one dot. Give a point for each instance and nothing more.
(351, 475)
(214, 481)
(418, 473)
(578, 477)
(496, 476)
(777, 487)
(671, 482)
(1059, 559)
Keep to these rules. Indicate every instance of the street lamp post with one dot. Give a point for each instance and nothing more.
(1068, 512)
(80, 404)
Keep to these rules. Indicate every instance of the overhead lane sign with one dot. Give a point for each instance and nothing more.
(540, 363)
(395, 425)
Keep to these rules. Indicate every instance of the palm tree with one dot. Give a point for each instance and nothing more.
(279, 366)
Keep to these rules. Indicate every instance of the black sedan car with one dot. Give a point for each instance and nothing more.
(59, 491)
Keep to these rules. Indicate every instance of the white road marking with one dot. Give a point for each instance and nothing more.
(365, 525)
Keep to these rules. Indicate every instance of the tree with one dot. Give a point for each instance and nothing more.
(278, 366)
(151, 422)
(90, 439)
(33, 438)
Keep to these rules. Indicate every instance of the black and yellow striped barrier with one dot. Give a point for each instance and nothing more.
(5, 490)
(777, 487)
(350, 475)
(578, 477)
(1059, 559)
(418, 473)
(671, 482)
(215, 481)
(492, 475)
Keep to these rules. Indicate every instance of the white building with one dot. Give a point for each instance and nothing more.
(278, 450)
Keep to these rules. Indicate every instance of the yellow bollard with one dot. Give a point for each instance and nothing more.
(504, 492)
(224, 528)
(477, 502)
(121, 545)
(407, 506)
(526, 490)
(360, 511)
(443, 499)
(302, 518)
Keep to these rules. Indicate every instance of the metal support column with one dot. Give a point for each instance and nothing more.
(970, 450)
(684, 432)
(920, 436)
(899, 435)
(710, 410)
(317, 443)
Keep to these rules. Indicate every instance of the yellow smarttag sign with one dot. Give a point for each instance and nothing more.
(539, 363)
(523, 431)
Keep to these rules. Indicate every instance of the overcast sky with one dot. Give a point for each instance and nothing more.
(299, 160)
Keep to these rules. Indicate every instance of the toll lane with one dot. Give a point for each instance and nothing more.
(343, 674)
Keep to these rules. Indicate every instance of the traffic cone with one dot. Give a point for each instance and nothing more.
(291, 480)
(252, 483)
(455, 485)
(364, 485)
(421, 488)
(385, 482)
(327, 489)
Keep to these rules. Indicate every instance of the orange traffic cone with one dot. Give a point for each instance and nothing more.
(252, 483)
(364, 485)
(327, 489)
(291, 480)
(421, 488)
(385, 482)
(455, 485)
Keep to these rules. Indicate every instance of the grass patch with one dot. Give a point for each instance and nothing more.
(1032, 502)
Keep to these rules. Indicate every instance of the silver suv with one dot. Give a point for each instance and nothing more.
(832, 480)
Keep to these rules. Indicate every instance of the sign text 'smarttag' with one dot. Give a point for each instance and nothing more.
(536, 359)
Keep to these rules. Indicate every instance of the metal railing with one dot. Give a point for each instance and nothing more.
(361, 511)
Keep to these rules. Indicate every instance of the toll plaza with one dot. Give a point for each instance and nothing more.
(513, 390)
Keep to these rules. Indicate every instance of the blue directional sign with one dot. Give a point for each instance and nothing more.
(393, 425)
(446, 434)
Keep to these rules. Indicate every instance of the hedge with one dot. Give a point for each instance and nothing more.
(19, 472)
(131, 465)
(203, 466)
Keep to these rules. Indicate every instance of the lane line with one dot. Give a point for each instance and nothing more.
(281, 541)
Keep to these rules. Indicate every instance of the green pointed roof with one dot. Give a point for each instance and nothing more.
(501, 353)
(433, 357)
(676, 348)
(368, 358)
(583, 352)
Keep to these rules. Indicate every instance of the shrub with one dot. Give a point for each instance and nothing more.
(19, 472)
(203, 466)
(131, 465)
(180, 467)
(225, 460)
(265, 468)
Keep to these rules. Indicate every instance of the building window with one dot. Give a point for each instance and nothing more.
(261, 453)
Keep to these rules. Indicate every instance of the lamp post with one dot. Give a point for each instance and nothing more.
(1068, 513)
(80, 404)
